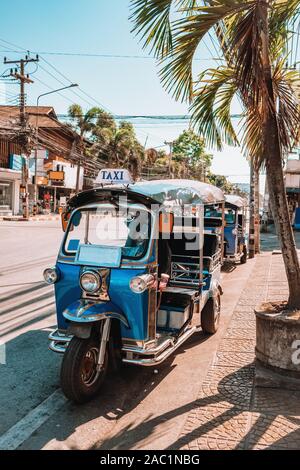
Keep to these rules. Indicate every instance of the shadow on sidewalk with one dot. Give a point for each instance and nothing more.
(220, 419)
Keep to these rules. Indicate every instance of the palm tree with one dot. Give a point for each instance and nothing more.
(253, 34)
(83, 124)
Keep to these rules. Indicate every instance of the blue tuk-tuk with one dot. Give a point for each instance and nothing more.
(138, 273)
(235, 229)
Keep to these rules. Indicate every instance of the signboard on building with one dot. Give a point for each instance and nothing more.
(55, 176)
(16, 162)
(42, 180)
(62, 201)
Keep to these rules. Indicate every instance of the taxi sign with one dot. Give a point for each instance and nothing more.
(114, 176)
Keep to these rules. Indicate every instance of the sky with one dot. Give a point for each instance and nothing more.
(93, 29)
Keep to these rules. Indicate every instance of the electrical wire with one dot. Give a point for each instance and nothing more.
(51, 65)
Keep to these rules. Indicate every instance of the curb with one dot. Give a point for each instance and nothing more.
(30, 219)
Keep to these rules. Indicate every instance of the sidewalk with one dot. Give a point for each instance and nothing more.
(230, 413)
(37, 218)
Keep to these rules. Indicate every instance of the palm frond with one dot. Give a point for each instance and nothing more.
(283, 14)
(176, 75)
(252, 142)
(75, 112)
(211, 107)
(152, 19)
(287, 90)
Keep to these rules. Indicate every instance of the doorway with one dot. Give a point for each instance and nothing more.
(6, 194)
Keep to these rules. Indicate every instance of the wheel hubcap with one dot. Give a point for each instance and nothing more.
(89, 372)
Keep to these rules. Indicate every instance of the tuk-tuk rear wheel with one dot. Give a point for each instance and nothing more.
(244, 256)
(210, 315)
(79, 377)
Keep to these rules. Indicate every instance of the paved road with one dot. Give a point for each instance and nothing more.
(33, 413)
(27, 312)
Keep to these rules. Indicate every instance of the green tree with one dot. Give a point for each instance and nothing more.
(221, 182)
(252, 34)
(84, 124)
(190, 149)
(117, 144)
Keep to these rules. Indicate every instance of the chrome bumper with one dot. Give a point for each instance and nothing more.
(233, 258)
(148, 357)
(59, 341)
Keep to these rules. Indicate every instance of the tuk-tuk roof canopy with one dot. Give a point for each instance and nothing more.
(179, 191)
(235, 200)
(164, 192)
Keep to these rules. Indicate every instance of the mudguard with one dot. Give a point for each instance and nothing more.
(85, 311)
(215, 288)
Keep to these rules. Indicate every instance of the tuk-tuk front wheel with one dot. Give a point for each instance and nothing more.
(210, 315)
(80, 378)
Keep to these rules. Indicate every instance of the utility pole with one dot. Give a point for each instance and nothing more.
(81, 145)
(20, 75)
(171, 145)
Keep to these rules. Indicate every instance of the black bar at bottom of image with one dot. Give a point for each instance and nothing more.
(135, 459)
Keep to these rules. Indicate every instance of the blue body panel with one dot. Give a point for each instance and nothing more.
(133, 306)
(230, 238)
(297, 219)
(67, 290)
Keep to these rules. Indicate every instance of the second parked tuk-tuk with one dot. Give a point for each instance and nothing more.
(137, 274)
(235, 229)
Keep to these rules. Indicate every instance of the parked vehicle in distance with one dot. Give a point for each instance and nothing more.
(137, 294)
(235, 229)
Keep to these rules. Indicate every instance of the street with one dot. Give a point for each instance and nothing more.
(34, 414)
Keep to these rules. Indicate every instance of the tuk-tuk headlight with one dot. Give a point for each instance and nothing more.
(51, 275)
(139, 284)
(90, 282)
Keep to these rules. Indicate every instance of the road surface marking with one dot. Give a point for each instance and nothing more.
(24, 428)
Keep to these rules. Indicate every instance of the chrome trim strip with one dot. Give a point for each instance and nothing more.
(148, 352)
(59, 348)
(57, 335)
(59, 341)
(165, 354)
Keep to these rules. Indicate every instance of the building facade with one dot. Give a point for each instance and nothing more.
(56, 152)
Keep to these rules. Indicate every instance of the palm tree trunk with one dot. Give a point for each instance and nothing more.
(252, 214)
(273, 154)
(282, 221)
(256, 211)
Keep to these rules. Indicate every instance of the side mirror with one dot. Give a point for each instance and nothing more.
(166, 222)
(65, 217)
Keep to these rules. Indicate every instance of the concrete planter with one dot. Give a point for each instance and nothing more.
(277, 349)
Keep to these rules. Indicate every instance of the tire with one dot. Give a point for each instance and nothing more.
(210, 315)
(80, 382)
(244, 256)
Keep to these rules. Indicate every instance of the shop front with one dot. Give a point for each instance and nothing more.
(10, 181)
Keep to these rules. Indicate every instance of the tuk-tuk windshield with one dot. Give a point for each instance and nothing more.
(108, 225)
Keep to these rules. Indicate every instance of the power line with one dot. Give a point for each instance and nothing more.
(62, 75)
(66, 78)
(108, 56)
